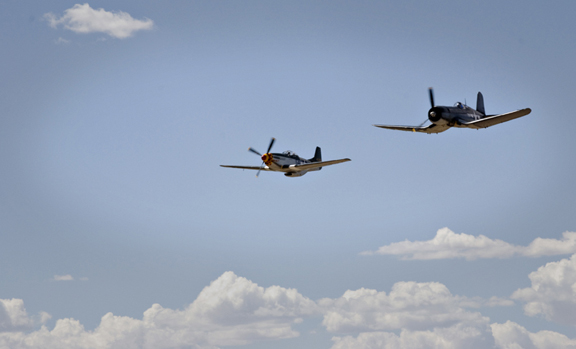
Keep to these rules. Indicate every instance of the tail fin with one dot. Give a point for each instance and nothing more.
(480, 104)
(317, 155)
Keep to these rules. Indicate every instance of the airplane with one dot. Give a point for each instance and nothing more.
(291, 164)
(460, 115)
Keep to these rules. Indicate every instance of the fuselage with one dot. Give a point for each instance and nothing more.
(454, 116)
(283, 161)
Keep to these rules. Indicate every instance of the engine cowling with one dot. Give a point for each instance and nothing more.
(435, 114)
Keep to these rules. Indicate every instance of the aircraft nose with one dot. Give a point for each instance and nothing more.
(267, 158)
(434, 114)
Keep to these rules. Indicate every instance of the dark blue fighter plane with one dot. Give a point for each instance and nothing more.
(460, 115)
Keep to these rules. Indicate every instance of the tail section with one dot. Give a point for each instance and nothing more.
(480, 104)
(317, 155)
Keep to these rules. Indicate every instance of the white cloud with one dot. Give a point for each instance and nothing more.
(66, 277)
(230, 311)
(84, 19)
(447, 244)
(62, 41)
(553, 292)
(233, 310)
(457, 336)
(510, 335)
(13, 316)
(409, 306)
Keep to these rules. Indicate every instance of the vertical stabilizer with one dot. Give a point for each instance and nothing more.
(317, 155)
(480, 104)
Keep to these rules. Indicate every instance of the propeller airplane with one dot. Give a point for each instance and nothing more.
(460, 115)
(291, 164)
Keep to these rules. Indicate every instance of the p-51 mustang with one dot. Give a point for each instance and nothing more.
(460, 115)
(291, 164)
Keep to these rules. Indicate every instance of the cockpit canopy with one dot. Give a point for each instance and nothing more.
(459, 105)
(289, 153)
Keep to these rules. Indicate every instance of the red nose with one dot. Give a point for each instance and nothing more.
(267, 158)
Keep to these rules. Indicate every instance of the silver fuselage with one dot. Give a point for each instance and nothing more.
(284, 162)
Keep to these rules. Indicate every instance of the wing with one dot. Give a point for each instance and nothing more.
(433, 128)
(492, 120)
(305, 167)
(265, 168)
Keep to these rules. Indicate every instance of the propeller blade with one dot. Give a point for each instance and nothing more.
(431, 92)
(254, 151)
(261, 167)
(422, 123)
(271, 143)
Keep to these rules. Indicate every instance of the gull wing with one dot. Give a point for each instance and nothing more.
(305, 167)
(433, 128)
(492, 120)
(265, 168)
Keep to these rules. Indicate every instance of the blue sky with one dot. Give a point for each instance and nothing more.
(112, 198)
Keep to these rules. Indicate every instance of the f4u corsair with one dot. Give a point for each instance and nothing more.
(291, 164)
(460, 115)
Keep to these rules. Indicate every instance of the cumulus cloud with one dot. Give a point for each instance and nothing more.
(230, 311)
(510, 335)
(84, 19)
(233, 310)
(13, 316)
(66, 277)
(409, 306)
(447, 244)
(553, 292)
(457, 336)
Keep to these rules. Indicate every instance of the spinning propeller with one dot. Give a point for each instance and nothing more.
(266, 158)
(431, 112)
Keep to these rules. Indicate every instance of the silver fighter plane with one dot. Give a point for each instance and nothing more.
(460, 115)
(291, 164)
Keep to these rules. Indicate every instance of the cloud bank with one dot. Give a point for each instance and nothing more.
(448, 245)
(230, 311)
(509, 335)
(84, 19)
(233, 310)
